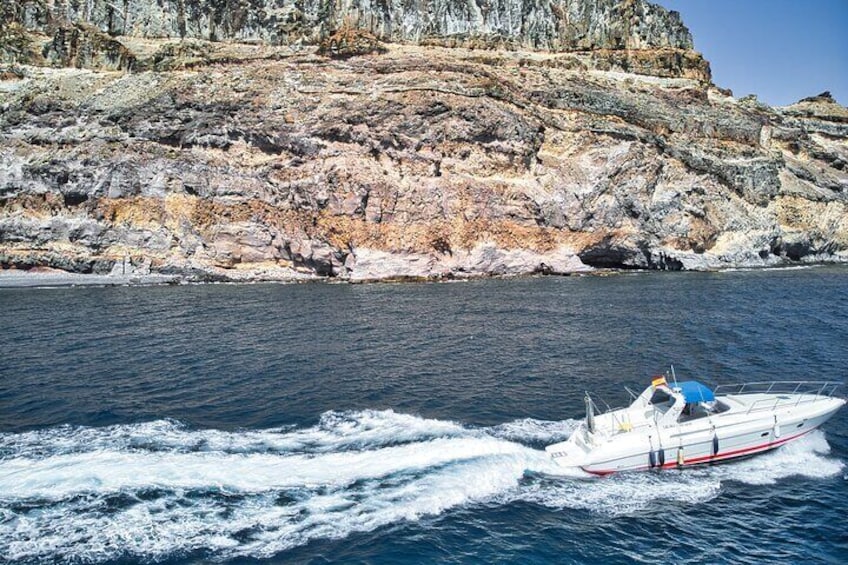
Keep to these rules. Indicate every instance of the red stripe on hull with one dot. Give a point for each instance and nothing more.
(710, 458)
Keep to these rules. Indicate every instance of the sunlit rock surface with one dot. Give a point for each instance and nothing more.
(584, 135)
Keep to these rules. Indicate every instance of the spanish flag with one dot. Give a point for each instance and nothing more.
(658, 381)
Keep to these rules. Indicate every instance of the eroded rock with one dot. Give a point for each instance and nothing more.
(241, 162)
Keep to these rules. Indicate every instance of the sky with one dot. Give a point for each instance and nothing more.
(780, 50)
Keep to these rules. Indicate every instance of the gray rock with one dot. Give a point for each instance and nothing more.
(420, 161)
(557, 25)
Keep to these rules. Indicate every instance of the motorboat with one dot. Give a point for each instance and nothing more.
(681, 424)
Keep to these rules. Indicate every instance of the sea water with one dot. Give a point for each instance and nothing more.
(403, 422)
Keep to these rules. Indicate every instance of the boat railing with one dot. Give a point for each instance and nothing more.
(633, 396)
(802, 392)
(618, 424)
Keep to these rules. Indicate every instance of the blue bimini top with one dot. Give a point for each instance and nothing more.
(693, 391)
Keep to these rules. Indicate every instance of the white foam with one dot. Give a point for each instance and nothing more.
(160, 490)
(323, 507)
(805, 457)
(528, 430)
(622, 494)
(336, 430)
(66, 475)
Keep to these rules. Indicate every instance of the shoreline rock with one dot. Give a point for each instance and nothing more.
(50, 278)
(13, 278)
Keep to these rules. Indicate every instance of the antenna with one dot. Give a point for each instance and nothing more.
(590, 413)
(673, 376)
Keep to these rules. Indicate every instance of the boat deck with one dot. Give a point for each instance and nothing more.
(760, 401)
(635, 418)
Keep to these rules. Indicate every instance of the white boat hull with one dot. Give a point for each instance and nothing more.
(747, 428)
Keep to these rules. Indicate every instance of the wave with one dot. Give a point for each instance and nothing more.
(532, 431)
(159, 489)
(773, 268)
(335, 431)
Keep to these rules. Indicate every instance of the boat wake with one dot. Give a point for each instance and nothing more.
(160, 489)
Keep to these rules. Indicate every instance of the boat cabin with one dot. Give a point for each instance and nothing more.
(679, 402)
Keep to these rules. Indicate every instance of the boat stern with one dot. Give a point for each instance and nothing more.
(572, 452)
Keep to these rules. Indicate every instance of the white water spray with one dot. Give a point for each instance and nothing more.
(158, 489)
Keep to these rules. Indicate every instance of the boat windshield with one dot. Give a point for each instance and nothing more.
(661, 401)
(694, 410)
(661, 397)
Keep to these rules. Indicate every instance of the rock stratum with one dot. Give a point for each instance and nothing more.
(359, 140)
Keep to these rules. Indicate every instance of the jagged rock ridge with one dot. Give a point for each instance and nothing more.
(556, 25)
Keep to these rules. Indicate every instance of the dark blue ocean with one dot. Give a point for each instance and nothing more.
(403, 423)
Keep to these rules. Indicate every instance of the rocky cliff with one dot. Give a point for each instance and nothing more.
(585, 134)
(550, 25)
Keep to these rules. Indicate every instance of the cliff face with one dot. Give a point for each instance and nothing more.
(235, 161)
(555, 25)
